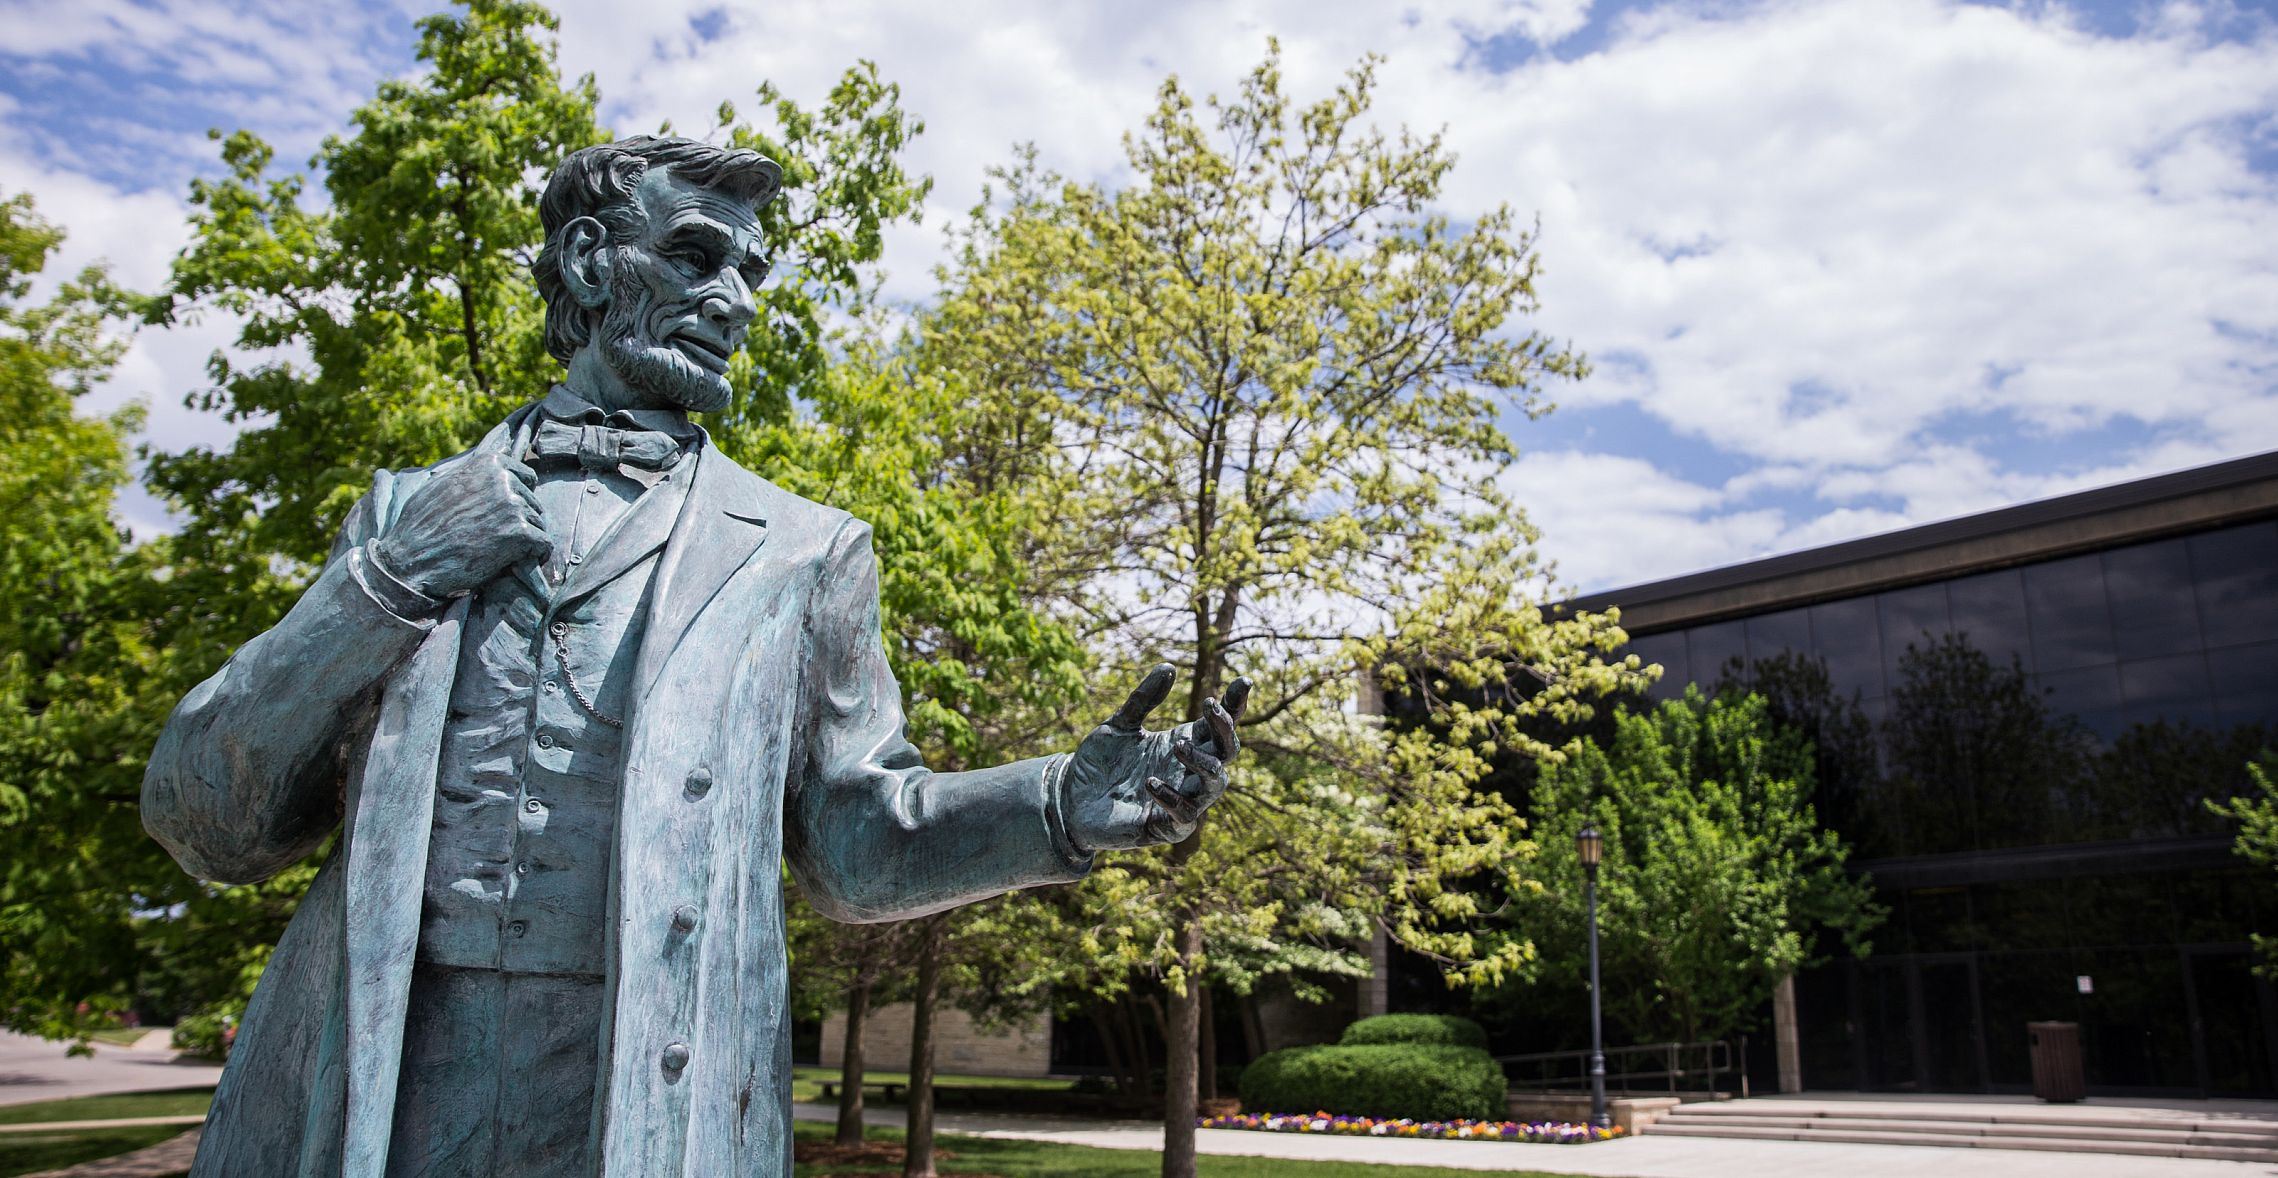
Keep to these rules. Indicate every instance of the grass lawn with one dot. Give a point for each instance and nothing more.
(1037, 1159)
(124, 1036)
(27, 1153)
(177, 1102)
(807, 1082)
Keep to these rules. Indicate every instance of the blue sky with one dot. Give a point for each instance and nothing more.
(1843, 266)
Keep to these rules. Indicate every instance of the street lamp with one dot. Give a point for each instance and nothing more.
(1590, 848)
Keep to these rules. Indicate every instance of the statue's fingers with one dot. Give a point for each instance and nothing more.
(1145, 698)
(1180, 809)
(1222, 738)
(1202, 765)
(1238, 697)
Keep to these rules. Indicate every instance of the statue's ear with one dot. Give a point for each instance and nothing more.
(585, 262)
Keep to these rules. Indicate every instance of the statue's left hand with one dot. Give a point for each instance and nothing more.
(1128, 787)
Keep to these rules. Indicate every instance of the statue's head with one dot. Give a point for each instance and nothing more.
(652, 250)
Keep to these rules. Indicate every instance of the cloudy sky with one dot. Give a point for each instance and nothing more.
(1842, 266)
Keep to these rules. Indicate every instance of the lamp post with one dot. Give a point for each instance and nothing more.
(1590, 848)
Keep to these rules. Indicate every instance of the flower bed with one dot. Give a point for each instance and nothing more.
(1537, 1132)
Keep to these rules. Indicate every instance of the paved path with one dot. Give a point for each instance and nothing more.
(34, 1069)
(1638, 1157)
(37, 1069)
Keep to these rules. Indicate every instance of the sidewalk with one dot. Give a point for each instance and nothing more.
(1638, 1157)
(37, 1069)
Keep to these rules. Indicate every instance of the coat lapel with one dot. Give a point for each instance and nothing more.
(392, 806)
(723, 523)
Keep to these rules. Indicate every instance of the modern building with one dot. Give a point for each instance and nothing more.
(2021, 716)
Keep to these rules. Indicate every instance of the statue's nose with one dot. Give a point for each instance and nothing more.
(730, 311)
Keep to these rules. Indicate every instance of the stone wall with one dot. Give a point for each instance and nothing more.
(958, 1045)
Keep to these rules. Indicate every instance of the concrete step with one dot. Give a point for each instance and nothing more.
(2224, 1147)
(2105, 1119)
(2170, 1133)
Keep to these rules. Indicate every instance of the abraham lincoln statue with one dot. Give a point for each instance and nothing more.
(572, 698)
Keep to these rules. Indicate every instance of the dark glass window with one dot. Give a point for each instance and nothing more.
(1989, 609)
(2173, 689)
(1845, 635)
(2090, 695)
(2154, 611)
(1669, 651)
(2237, 573)
(1910, 617)
(2072, 625)
(2245, 682)
(1770, 635)
(1713, 647)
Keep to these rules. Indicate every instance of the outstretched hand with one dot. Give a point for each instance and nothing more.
(1128, 787)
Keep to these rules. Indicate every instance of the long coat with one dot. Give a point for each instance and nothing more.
(765, 728)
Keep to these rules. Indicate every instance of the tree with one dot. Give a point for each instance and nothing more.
(1265, 378)
(410, 292)
(985, 674)
(388, 325)
(75, 660)
(1718, 880)
(2257, 818)
(850, 968)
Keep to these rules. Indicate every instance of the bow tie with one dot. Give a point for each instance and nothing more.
(604, 447)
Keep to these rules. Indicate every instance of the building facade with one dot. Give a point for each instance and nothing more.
(2020, 717)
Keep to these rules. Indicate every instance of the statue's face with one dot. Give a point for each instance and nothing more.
(680, 295)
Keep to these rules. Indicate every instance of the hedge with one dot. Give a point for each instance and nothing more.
(1423, 1082)
(1441, 1029)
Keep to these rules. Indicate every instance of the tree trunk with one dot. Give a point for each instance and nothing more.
(1178, 1078)
(918, 1161)
(1206, 1070)
(1253, 1026)
(1111, 1037)
(1182, 1036)
(850, 1068)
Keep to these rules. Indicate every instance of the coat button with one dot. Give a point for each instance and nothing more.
(699, 782)
(517, 928)
(675, 1057)
(684, 917)
(545, 740)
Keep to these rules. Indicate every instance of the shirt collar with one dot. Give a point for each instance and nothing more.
(563, 405)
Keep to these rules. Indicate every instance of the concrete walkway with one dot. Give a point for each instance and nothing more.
(38, 1069)
(1636, 1157)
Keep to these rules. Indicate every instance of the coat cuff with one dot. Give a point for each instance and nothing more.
(402, 602)
(1075, 855)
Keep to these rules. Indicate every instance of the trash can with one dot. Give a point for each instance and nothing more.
(2058, 1075)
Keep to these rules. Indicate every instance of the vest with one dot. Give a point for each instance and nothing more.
(532, 756)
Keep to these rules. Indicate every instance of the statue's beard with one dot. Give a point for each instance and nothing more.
(650, 367)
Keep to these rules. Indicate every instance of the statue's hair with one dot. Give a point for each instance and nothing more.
(600, 182)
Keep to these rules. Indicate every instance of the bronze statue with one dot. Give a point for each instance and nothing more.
(575, 695)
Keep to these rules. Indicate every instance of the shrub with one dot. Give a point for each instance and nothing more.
(1442, 1029)
(206, 1034)
(1424, 1082)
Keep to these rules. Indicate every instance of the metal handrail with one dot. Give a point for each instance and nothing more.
(1678, 1061)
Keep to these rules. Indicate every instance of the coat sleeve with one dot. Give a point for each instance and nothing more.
(246, 777)
(872, 834)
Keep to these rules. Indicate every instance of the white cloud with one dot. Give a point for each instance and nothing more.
(1862, 251)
